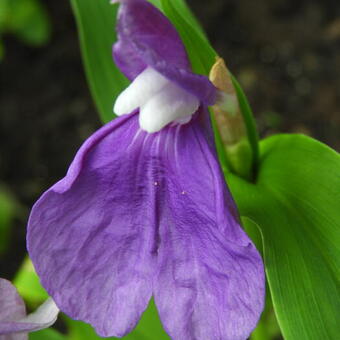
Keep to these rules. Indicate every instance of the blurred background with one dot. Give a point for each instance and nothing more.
(285, 53)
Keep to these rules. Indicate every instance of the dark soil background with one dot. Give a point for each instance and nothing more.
(285, 53)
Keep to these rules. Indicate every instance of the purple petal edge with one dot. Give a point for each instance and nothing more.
(210, 282)
(147, 38)
(96, 262)
(141, 214)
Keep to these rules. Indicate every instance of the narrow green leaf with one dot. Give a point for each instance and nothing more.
(96, 25)
(295, 202)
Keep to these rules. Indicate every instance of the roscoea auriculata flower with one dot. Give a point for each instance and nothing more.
(144, 209)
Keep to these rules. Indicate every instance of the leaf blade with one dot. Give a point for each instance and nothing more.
(301, 247)
(96, 21)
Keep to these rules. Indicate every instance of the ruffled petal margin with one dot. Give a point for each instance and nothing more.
(14, 324)
(91, 236)
(147, 38)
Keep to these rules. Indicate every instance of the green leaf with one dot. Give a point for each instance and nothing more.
(47, 334)
(295, 202)
(148, 328)
(96, 25)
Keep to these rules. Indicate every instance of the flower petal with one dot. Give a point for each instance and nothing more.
(144, 87)
(147, 38)
(167, 106)
(210, 282)
(12, 305)
(139, 213)
(13, 319)
(150, 35)
(91, 236)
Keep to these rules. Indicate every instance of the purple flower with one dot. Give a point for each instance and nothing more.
(14, 324)
(144, 209)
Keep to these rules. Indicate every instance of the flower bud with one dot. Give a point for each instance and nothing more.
(230, 122)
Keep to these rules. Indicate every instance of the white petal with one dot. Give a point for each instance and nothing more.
(168, 105)
(144, 86)
(44, 316)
